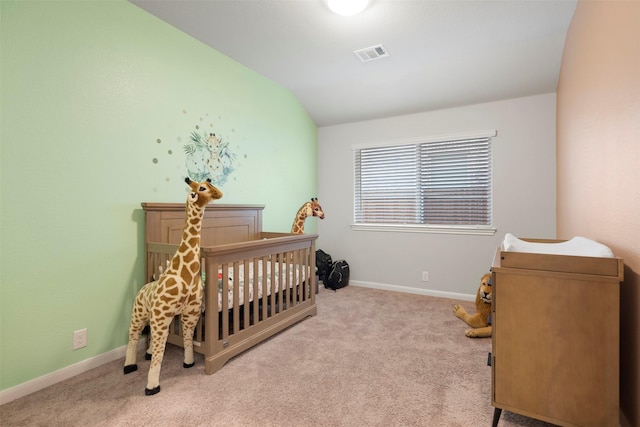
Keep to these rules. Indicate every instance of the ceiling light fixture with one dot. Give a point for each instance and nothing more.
(347, 7)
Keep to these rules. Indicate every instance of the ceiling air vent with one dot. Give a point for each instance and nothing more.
(371, 53)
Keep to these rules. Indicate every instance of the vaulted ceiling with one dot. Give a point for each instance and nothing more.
(440, 53)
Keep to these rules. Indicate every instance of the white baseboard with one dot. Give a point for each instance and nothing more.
(410, 290)
(54, 377)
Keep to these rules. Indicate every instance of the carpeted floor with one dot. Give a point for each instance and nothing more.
(369, 358)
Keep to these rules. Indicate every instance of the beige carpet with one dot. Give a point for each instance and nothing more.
(370, 358)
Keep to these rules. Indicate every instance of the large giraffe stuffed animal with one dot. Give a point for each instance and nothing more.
(312, 208)
(178, 290)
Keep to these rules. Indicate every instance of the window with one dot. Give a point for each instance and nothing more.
(438, 184)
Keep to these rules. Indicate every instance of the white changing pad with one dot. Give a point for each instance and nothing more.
(578, 246)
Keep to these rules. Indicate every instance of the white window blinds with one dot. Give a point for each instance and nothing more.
(431, 183)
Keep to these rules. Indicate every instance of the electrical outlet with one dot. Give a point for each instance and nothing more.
(80, 338)
(425, 276)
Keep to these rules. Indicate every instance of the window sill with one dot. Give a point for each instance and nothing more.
(442, 229)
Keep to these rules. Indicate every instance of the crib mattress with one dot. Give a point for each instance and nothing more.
(297, 274)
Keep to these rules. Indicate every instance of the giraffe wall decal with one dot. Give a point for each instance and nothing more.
(178, 290)
(311, 208)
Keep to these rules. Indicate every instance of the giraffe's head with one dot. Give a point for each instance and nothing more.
(316, 209)
(203, 192)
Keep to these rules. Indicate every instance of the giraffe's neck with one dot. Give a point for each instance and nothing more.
(186, 261)
(192, 228)
(301, 216)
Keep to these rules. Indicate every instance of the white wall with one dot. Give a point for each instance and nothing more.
(524, 177)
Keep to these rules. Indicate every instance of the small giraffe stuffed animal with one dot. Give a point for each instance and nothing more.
(178, 290)
(312, 208)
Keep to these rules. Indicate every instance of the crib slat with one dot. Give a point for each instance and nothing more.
(225, 301)
(279, 288)
(293, 278)
(286, 280)
(265, 287)
(246, 311)
(273, 297)
(256, 288)
(235, 310)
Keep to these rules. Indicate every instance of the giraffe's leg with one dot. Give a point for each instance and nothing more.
(159, 333)
(149, 352)
(139, 318)
(189, 318)
(189, 321)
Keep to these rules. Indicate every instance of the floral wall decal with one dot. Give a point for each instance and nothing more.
(207, 153)
(208, 157)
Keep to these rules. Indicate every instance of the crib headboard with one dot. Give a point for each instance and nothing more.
(222, 223)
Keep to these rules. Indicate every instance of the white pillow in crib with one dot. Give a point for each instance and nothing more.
(578, 246)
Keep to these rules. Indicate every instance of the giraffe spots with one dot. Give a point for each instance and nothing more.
(162, 314)
(189, 257)
(194, 242)
(171, 281)
(166, 300)
(186, 275)
(171, 291)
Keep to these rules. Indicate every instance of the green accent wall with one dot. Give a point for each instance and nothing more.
(98, 102)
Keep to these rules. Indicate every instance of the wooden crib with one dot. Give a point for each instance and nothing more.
(240, 308)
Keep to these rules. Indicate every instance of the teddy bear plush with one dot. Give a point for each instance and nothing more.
(479, 322)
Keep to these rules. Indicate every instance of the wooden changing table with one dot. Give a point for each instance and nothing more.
(555, 339)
